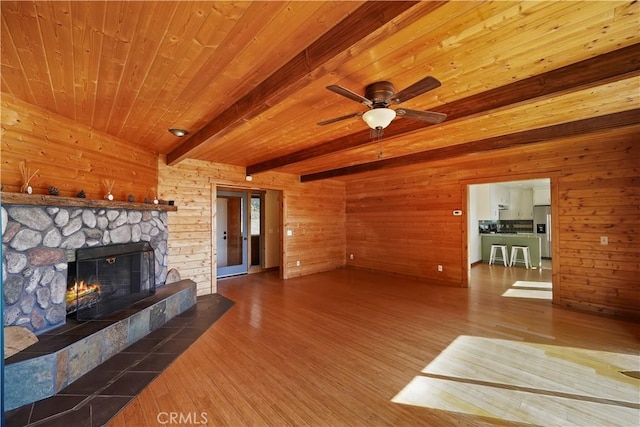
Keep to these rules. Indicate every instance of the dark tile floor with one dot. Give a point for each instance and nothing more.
(99, 395)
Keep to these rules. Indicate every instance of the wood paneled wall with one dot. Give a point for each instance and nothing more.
(74, 157)
(403, 224)
(190, 244)
(70, 156)
(316, 217)
(315, 213)
(400, 220)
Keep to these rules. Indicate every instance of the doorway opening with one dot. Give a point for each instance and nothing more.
(257, 229)
(247, 231)
(508, 214)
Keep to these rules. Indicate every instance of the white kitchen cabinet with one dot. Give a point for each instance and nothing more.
(514, 204)
(541, 196)
(520, 205)
(487, 205)
(496, 202)
(526, 204)
(501, 195)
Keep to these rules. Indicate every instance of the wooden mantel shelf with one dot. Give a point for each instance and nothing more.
(45, 200)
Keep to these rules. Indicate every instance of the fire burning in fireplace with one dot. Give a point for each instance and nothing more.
(104, 279)
(80, 295)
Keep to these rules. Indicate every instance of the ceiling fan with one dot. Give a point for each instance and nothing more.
(379, 96)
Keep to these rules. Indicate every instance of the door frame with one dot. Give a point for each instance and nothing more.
(554, 177)
(223, 186)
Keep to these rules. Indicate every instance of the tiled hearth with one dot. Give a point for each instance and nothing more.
(66, 353)
(100, 394)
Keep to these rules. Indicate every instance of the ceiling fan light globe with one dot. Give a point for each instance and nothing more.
(379, 118)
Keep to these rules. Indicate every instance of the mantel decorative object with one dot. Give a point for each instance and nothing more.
(155, 197)
(27, 176)
(108, 184)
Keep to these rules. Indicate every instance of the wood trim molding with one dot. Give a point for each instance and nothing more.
(45, 200)
(609, 67)
(213, 196)
(534, 136)
(312, 61)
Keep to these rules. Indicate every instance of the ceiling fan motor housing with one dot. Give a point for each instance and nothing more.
(381, 93)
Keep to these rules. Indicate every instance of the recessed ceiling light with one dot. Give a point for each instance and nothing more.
(178, 132)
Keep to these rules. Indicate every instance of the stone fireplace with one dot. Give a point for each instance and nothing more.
(51, 243)
(39, 243)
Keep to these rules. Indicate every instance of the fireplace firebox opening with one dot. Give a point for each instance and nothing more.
(105, 279)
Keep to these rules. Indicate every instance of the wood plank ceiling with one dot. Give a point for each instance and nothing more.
(247, 79)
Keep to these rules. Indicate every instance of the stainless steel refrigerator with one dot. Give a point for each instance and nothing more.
(542, 228)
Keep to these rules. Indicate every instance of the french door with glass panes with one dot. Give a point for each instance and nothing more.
(231, 233)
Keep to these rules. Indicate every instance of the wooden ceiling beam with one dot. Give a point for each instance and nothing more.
(367, 19)
(534, 136)
(612, 66)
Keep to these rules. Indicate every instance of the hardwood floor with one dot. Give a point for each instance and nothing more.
(353, 347)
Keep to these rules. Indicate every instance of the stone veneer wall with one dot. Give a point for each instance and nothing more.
(37, 242)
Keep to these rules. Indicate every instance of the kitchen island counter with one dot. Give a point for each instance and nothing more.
(524, 239)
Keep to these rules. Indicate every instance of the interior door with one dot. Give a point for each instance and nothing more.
(232, 233)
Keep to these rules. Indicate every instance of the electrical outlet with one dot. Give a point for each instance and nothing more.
(298, 263)
(439, 267)
(604, 240)
(289, 232)
(351, 256)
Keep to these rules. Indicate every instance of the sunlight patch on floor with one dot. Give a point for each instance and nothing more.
(527, 293)
(528, 284)
(528, 383)
(526, 289)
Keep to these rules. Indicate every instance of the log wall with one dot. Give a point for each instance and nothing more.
(400, 220)
(315, 214)
(70, 156)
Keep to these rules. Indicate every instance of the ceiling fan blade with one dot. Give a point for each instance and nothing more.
(337, 119)
(351, 95)
(425, 116)
(418, 88)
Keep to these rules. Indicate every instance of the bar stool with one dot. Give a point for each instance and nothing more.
(526, 255)
(494, 251)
